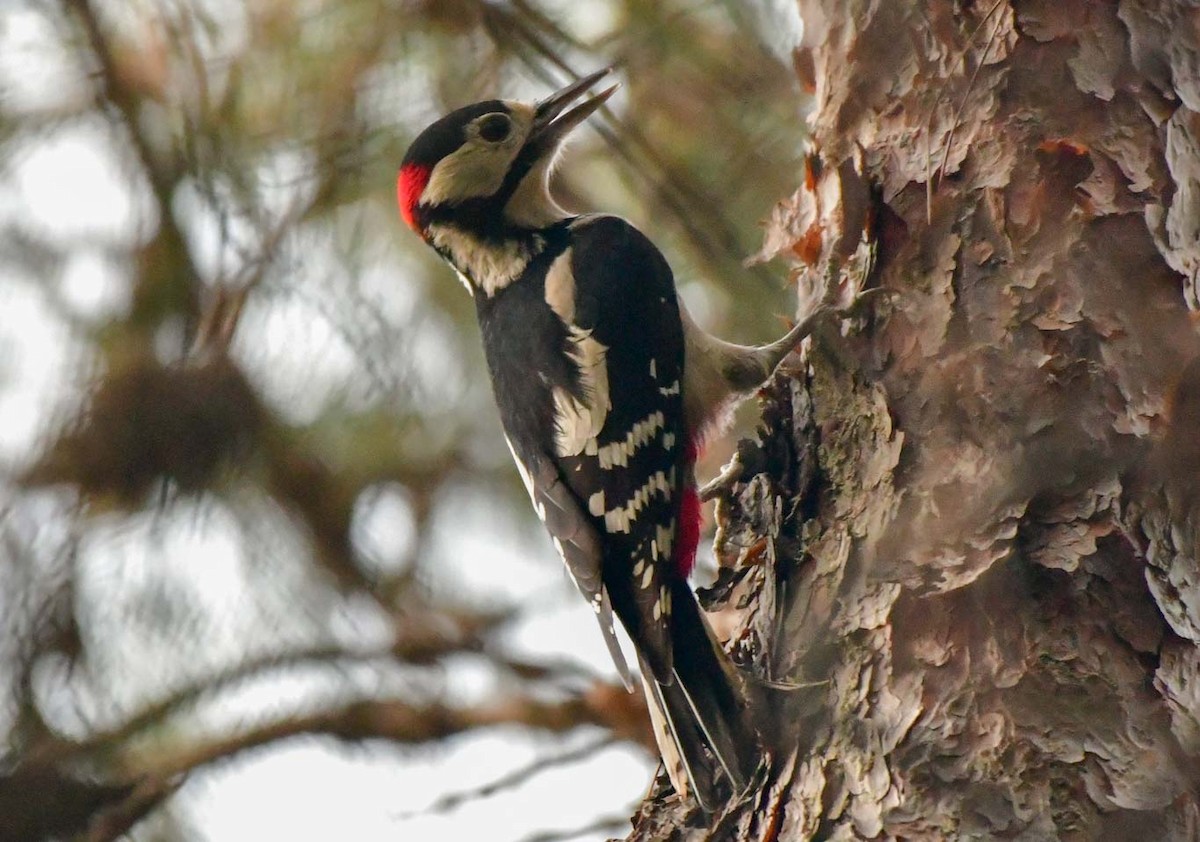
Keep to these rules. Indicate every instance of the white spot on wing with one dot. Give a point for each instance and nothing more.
(620, 518)
(664, 536)
(596, 503)
(617, 453)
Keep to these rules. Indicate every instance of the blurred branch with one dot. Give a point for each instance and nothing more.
(114, 97)
(395, 721)
(420, 641)
(168, 277)
(115, 822)
(409, 724)
(605, 825)
(38, 801)
(549, 671)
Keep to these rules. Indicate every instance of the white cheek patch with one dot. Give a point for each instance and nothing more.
(477, 168)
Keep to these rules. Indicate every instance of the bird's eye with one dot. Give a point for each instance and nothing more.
(494, 127)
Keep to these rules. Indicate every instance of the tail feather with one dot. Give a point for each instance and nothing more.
(700, 717)
(717, 734)
(679, 743)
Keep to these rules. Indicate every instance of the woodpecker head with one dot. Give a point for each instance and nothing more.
(485, 167)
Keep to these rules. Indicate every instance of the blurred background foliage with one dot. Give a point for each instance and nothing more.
(251, 483)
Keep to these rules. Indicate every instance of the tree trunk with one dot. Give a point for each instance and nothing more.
(970, 525)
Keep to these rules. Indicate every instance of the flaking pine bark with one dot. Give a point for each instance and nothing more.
(968, 532)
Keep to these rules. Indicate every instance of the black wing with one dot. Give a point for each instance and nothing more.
(586, 356)
(576, 541)
(628, 473)
(586, 351)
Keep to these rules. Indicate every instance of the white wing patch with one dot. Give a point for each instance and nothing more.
(664, 538)
(560, 287)
(596, 503)
(578, 422)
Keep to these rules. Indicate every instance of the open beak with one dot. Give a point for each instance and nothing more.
(551, 124)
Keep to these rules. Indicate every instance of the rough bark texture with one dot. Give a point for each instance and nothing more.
(973, 516)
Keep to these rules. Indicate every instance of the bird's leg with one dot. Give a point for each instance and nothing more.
(772, 355)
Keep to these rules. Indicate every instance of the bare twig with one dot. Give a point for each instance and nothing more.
(614, 824)
(962, 105)
(515, 778)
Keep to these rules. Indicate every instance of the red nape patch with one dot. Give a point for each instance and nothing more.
(410, 184)
(687, 533)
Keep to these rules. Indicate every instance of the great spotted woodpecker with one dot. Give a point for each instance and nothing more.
(606, 390)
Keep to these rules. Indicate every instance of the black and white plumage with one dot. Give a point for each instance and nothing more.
(605, 387)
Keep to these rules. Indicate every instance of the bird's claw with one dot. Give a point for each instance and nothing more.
(724, 480)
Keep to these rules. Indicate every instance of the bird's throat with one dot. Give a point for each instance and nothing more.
(487, 266)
